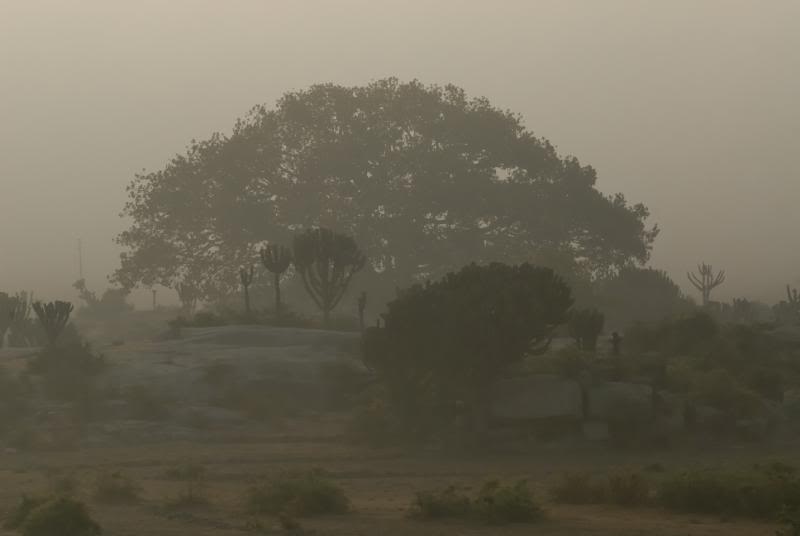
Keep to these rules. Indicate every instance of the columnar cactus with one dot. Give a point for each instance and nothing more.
(246, 276)
(277, 260)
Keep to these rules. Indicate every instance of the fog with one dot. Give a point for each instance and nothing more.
(689, 107)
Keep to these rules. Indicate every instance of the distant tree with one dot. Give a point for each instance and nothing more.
(424, 178)
(188, 296)
(585, 326)
(788, 311)
(326, 261)
(53, 317)
(639, 295)
(8, 307)
(449, 341)
(277, 260)
(113, 300)
(705, 280)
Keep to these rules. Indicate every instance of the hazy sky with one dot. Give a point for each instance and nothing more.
(688, 106)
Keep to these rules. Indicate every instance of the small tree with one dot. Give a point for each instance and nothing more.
(188, 295)
(53, 317)
(585, 326)
(326, 262)
(246, 276)
(445, 344)
(705, 280)
(277, 260)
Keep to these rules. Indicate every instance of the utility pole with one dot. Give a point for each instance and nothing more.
(80, 259)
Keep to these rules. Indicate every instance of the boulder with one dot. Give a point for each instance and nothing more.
(542, 396)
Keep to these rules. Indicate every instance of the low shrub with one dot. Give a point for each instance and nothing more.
(57, 517)
(447, 502)
(760, 492)
(499, 505)
(578, 488)
(298, 494)
(68, 371)
(494, 504)
(628, 488)
(20, 513)
(116, 488)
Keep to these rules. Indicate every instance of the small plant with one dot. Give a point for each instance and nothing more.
(628, 488)
(116, 488)
(56, 517)
(298, 494)
(447, 502)
(498, 505)
(578, 488)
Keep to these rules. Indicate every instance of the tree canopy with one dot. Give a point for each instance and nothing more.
(424, 179)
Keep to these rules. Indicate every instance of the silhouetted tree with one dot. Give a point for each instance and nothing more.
(788, 311)
(53, 317)
(188, 295)
(326, 262)
(585, 326)
(246, 277)
(449, 341)
(424, 178)
(113, 300)
(639, 295)
(8, 306)
(705, 280)
(277, 260)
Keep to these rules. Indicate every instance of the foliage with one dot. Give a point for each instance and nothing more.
(298, 494)
(498, 505)
(628, 488)
(68, 370)
(20, 513)
(718, 389)
(423, 177)
(60, 516)
(450, 340)
(494, 504)
(113, 301)
(116, 488)
(24, 331)
(585, 326)
(53, 317)
(326, 262)
(761, 492)
(642, 295)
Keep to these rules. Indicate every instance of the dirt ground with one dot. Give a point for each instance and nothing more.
(380, 483)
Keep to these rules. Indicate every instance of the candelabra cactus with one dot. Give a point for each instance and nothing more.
(705, 280)
(326, 262)
(277, 260)
(53, 317)
(246, 276)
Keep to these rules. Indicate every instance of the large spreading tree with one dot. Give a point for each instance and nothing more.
(423, 178)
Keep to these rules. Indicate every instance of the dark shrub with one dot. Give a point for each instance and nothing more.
(497, 504)
(308, 493)
(68, 370)
(761, 492)
(628, 488)
(59, 517)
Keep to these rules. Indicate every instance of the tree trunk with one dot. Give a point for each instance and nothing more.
(277, 295)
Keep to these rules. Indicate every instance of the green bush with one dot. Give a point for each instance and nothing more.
(494, 504)
(628, 488)
(498, 505)
(299, 494)
(578, 488)
(59, 517)
(116, 488)
(761, 492)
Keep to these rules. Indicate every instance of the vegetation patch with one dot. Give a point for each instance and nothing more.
(494, 504)
(61, 516)
(298, 494)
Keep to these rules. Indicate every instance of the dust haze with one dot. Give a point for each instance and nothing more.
(438, 267)
(688, 107)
